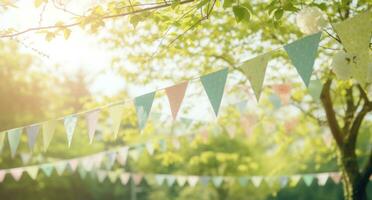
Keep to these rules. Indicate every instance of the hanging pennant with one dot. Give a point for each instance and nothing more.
(25, 157)
(116, 113)
(2, 138)
(255, 69)
(159, 178)
(336, 177)
(14, 136)
(355, 34)
(217, 181)
(32, 133)
(47, 169)
(32, 171)
(192, 180)
(315, 89)
(135, 153)
(181, 180)
(2, 175)
(243, 181)
(143, 106)
(16, 173)
(137, 178)
(110, 160)
(302, 53)
(73, 164)
(122, 156)
(308, 179)
(48, 132)
(214, 85)
(92, 119)
(124, 178)
(283, 181)
(170, 180)
(294, 180)
(60, 167)
(322, 178)
(175, 96)
(70, 124)
(150, 147)
(256, 180)
(113, 176)
(101, 175)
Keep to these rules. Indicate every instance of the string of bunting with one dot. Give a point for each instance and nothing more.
(302, 53)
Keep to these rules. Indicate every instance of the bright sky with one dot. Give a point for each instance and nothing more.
(80, 52)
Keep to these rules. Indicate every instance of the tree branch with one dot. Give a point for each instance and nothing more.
(350, 110)
(330, 113)
(77, 23)
(367, 171)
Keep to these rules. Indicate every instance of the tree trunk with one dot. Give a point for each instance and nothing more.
(353, 185)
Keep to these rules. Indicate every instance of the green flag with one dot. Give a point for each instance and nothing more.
(116, 113)
(14, 136)
(47, 169)
(308, 179)
(315, 89)
(254, 69)
(70, 124)
(143, 107)
(355, 34)
(2, 137)
(303, 53)
(214, 85)
(48, 132)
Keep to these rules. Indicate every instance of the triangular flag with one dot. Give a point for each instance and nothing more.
(87, 164)
(2, 138)
(101, 175)
(143, 107)
(82, 173)
(14, 136)
(2, 175)
(214, 85)
(32, 133)
(70, 124)
(150, 147)
(302, 53)
(256, 180)
(25, 157)
(47, 169)
(113, 176)
(181, 180)
(315, 89)
(217, 181)
(92, 119)
(175, 96)
(49, 128)
(270, 180)
(32, 171)
(336, 177)
(73, 164)
(122, 156)
(60, 167)
(137, 178)
(16, 173)
(204, 180)
(135, 153)
(116, 113)
(160, 178)
(170, 180)
(254, 69)
(243, 181)
(322, 178)
(124, 178)
(192, 180)
(355, 34)
(294, 180)
(283, 181)
(110, 160)
(308, 179)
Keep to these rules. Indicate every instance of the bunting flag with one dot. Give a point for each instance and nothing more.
(137, 178)
(116, 113)
(122, 156)
(315, 89)
(192, 180)
(243, 181)
(60, 167)
(214, 85)
(2, 175)
(70, 124)
(256, 180)
(204, 180)
(113, 176)
(255, 69)
(32, 133)
(25, 157)
(124, 178)
(16, 173)
(181, 180)
(303, 53)
(135, 153)
(322, 178)
(92, 119)
(47, 169)
(217, 181)
(170, 180)
(283, 181)
(48, 132)
(150, 147)
(308, 179)
(175, 96)
(160, 178)
(2, 138)
(355, 34)
(32, 171)
(14, 137)
(73, 164)
(101, 175)
(336, 177)
(143, 106)
(110, 160)
(294, 180)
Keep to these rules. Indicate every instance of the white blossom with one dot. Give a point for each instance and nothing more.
(311, 20)
(342, 65)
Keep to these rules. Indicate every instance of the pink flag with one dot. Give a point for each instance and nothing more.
(92, 118)
(175, 95)
(122, 156)
(283, 91)
(16, 173)
(73, 164)
(137, 178)
(2, 175)
(336, 177)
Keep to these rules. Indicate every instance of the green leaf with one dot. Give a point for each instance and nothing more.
(278, 14)
(227, 3)
(241, 13)
(49, 36)
(66, 33)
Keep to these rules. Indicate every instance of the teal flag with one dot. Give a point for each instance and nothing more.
(47, 169)
(70, 124)
(303, 53)
(254, 69)
(315, 89)
(143, 107)
(308, 179)
(14, 137)
(243, 181)
(214, 85)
